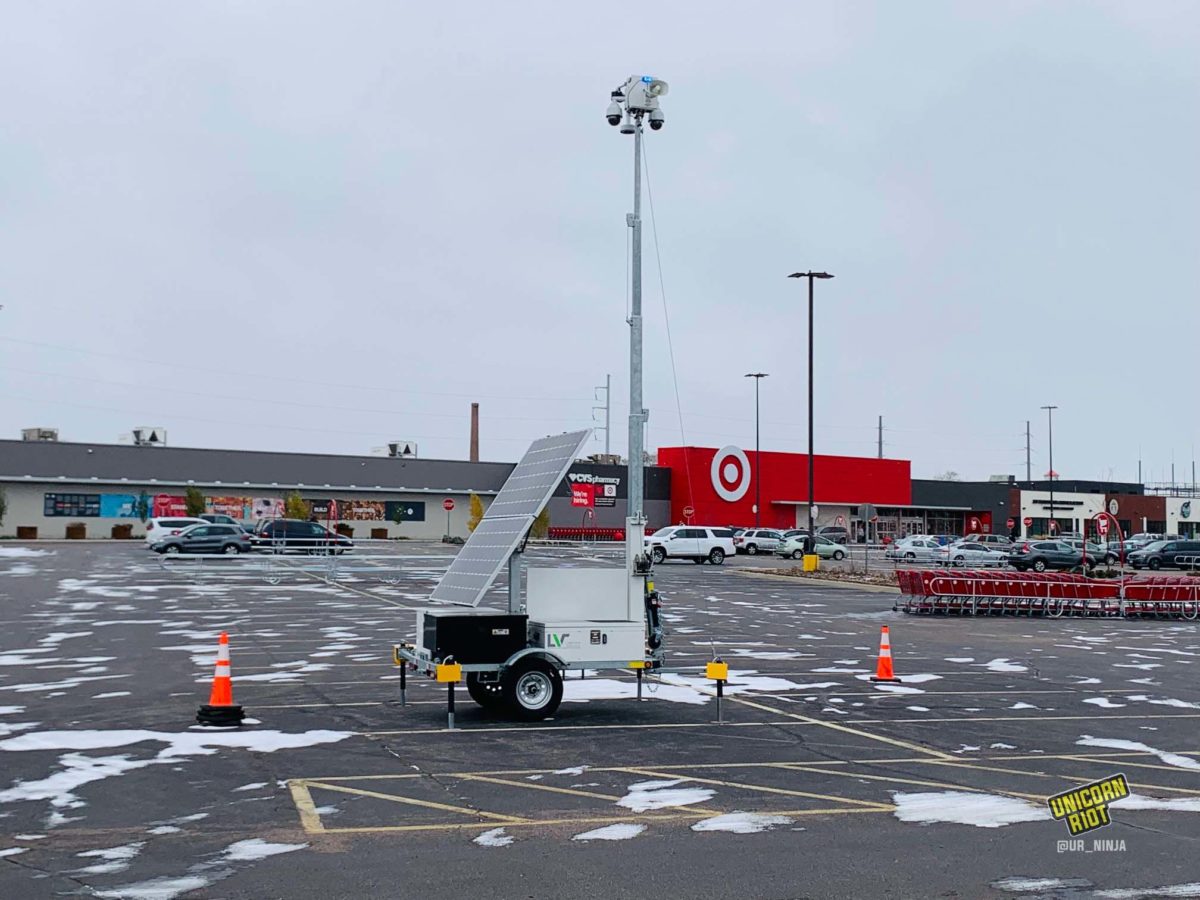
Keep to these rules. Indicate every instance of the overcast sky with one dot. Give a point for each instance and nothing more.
(319, 226)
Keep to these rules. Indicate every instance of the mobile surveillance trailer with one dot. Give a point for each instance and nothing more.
(572, 619)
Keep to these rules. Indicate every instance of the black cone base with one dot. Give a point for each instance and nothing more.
(220, 716)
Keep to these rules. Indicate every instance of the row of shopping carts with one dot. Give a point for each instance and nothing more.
(1054, 594)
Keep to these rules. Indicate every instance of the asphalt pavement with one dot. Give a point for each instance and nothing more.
(816, 783)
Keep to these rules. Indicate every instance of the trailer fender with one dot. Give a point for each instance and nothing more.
(538, 653)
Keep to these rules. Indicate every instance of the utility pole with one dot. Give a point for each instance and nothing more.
(607, 407)
(757, 376)
(1050, 436)
(1028, 464)
(881, 437)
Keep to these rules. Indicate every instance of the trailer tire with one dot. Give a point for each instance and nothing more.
(532, 690)
(488, 694)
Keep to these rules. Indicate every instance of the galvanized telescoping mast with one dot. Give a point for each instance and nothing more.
(632, 104)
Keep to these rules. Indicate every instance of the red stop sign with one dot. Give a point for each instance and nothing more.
(448, 504)
(1028, 521)
(688, 512)
(1012, 522)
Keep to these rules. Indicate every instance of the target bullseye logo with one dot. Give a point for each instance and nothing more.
(730, 474)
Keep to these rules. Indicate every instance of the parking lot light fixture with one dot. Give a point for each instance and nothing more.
(757, 376)
(811, 276)
(1050, 437)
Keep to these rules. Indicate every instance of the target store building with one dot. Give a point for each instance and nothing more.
(866, 495)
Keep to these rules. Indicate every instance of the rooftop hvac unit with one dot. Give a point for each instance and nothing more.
(148, 436)
(402, 449)
(39, 434)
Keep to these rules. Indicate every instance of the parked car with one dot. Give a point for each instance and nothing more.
(695, 542)
(914, 549)
(206, 538)
(757, 540)
(1094, 551)
(1043, 555)
(793, 547)
(168, 526)
(992, 541)
(839, 534)
(291, 535)
(970, 553)
(1167, 555)
(219, 519)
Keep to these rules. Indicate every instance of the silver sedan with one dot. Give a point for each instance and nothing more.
(969, 553)
(914, 550)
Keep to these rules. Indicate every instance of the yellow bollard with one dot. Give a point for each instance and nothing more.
(810, 562)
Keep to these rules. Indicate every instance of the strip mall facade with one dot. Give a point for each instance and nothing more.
(50, 485)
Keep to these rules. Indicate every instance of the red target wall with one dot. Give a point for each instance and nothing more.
(722, 489)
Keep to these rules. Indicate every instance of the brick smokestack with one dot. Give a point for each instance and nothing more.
(474, 432)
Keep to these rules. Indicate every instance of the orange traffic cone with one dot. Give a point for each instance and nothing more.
(220, 710)
(883, 668)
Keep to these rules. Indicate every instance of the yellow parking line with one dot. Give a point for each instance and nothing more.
(837, 726)
(538, 787)
(309, 819)
(755, 787)
(634, 818)
(462, 810)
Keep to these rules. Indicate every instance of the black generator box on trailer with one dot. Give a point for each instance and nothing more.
(472, 637)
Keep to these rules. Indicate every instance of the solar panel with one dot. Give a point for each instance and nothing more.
(526, 491)
(538, 473)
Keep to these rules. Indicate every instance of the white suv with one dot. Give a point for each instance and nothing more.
(759, 540)
(695, 542)
(167, 526)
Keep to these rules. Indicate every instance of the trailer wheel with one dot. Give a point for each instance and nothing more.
(488, 694)
(532, 690)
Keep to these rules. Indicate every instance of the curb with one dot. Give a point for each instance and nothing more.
(824, 582)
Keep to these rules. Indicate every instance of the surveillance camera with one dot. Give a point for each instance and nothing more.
(627, 126)
(614, 114)
(657, 119)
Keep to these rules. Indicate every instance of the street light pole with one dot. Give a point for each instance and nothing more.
(812, 534)
(757, 376)
(1050, 435)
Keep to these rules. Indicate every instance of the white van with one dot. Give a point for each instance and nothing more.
(157, 529)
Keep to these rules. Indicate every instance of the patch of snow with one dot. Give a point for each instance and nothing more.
(918, 708)
(12, 851)
(1191, 889)
(573, 770)
(165, 888)
(253, 786)
(11, 710)
(1022, 706)
(1169, 701)
(22, 552)
(29, 837)
(648, 795)
(164, 829)
(1171, 759)
(1003, 665)
(619, 832)
(741, 823)
(494, 838)
(966, 808)
(1137, 801)
(110, 694)
(1104, 703)
(960, 659)
(1003, 747)
(888, 688)
(1081, 680)
(116, 859)
(257, 848)
(1019, 885)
